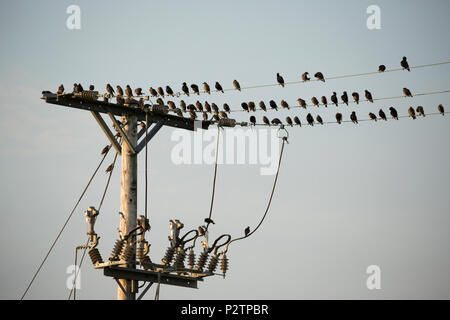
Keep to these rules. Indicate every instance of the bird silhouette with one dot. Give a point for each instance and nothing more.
(192, 114)
(289, 121)
(214, 107)
(199, 106)
(324, 101)
(216, 116)
(253, 120)
(206, 88)
(110, 90)
(91, 87)
(319, 76)
(441, 109)
(273, 105)
(171, 105)
(262, 106)
(334, 99)
(169, 91)
(185, 89)
(128, 91)
(79, 88)
(153, 92)
(160, 91)
(382, 115)
(60, 89)
(209, 220)
(280, 80)
(160, 101)
(420, 111)
(355, 96)
(236, 85)
(412, 113)
(301, 102)
(368, 96)
(251, 106)
(191, 107)
(315, 101)
(201, 231)
(372, 116)
(223, 115)
(339, 117)
(319, 119)
(310, 119)
(120, 100)
(407, 92)
(105, 150)
(207, 106)
(404, 64)
(178, 112)
(247, 231)
(110, 167)
(266, 120)
(381, 68)
(244, 106)
(344, 97)
(284, 104)
(194, 88)
(394, 113)
(226, 107)
(218, 87)
(119, 91)
(138, 91)
(297, 121)
(205, 116)
(353, 117)
(183, 105)
(305, 77)
(276, 121)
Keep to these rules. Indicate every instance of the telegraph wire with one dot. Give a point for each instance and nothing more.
(214, 180)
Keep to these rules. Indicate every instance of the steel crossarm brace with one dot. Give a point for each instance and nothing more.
(150, 135)
(122, 133)
(107, 131)
(145, 291)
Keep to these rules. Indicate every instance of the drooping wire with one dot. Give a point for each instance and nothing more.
(146, 160)
(214, 180)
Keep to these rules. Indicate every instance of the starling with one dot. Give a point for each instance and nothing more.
(236, 85)
(183, 105)
(80, 88)
(205, 116)
(319, 76)
(273, 105)
(214, 107)
(276, 121)
(310, 119)
(199, 106)
(171, 105)
(75, 88)
(412, 113)
(223, 115)
(301, 102)
(368, 96)
(185, 89)
(324, 101)
(262, 106)
(194, 88)
(289, 121)
(160, 91)
(119, 91)
(169, 91)
(381, 68)
(226, 107)
(297, 121)
(344, 97)
(394, 113)
(60, 89)
(372, 116)
(407, 92)
(319, 119)
(247, 231)
(160, 101)
(216, 116)
(201, 231)
(192, 114)
(105, 150)
(153, 92)
(128, 91)
(244, 106)
(339, 117)
(251, 106)
(284, 104)
(315, 101)
(280, 80)
(441, 109)
(178, 112)
(355, 96)
(382, 115)
(305, 77)
(206, 88)
(110, 167)
(208, 107)
(334, 99)
(405, 64)
(138, 91)
(218, 87)
(253, 120)
(266, 120)
(110, 90)
(209, 220)
(353, 117)
(91, 87)
(420, 111)
(120, 100)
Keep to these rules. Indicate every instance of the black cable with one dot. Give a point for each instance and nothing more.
(214, 180)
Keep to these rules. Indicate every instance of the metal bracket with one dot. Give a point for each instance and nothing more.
(154, 130)
(122, 133)
(107, 131)
(145, 291)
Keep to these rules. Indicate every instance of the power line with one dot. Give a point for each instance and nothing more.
(214, 180)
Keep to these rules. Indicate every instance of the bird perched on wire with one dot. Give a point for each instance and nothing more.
(160, 91)
(192, 114)
(324, 101)
(91, 87)
(394, 113)
(119, 91)
(75, 88)
(372, 116)
(381, 68)
(420, 111)
(183, 105)
(206, 88)
(276, 121)
(185, 89)
(339, 117)
(344, 97)
(214, 107)
(171, 105)
(236, 85)
(194, 88)
(60, 89)
(179, 113)
(407, 92)
(223, 115)
(244, 106)
(120, 100)
(208, 107)
(404, 64)
(315, 101)
(110, 167)
(79, 88)
(218, 87)
(310, 119)
(382, 115)
(289, 121)
(128, 91)
(216, 116)
(201, 231)
(253, 120)
(169, 91)
(105, 150)
(353, 117)
(412, 113)
(441, 109)
(284, 104)
(319, 119)
(247, 231)
(334, 99)
(305, 77)
(138, 91)
(160, 101)
(262, 106)
(209, 220)
(368, 95)
(226, 107)
(301, 103)
(266, 120)
(273, 105)
(319, 76)
(110, 90)
(297, 121)
(153, 92)
(355, 96)
(251, 106)
(205, 116)
(199, 106)
(280, 80)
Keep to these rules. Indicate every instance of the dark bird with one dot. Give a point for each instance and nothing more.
(394, 113)
(206, 88)
(273, 105)
(199, 106)
(266, 120)
(91, 87)
(110, 167)
(223, 115)
(192, 114)
(138, 91)
(79, 88)
(276, 121)
(120, 100)
(194, 88)
(60, 89)
(289, 121)
(420, 111)
(183, 105)
(405, 64)
(244, 106)
(247, 231)
(185, 89)
(315, 101)
(178, 112)
(205, 116)
(301, 102)
(381, 68)
(191, 107)
(209, 220)
(160, 91)
(355, 96)
(208, 107)
(226, 107)
(297, 121)
(407, 92)
(344, 97)
(262, 106)
(319, 76)
(305, 76)
(75, 88)
(171, 105)
(353, 117)
(160, 101)
(382, 115)
(218, 87)
(236, 85)
(280, 80)
(368, 96)
(201, 231)
(119, 91)
(251, 106)
(319, 119)
(153, 92)
(110, 90)
(216, 116)
(169, 91)
(339, 117)
(128, 91)
(372, 116)
(310, 119)
(214, 107)
(324, 101)
(412, 113)
(334, 99)
(105, 150)
(284, 104)
(253, 120)
(441, 109)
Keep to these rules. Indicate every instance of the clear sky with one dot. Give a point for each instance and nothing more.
(348, 196)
